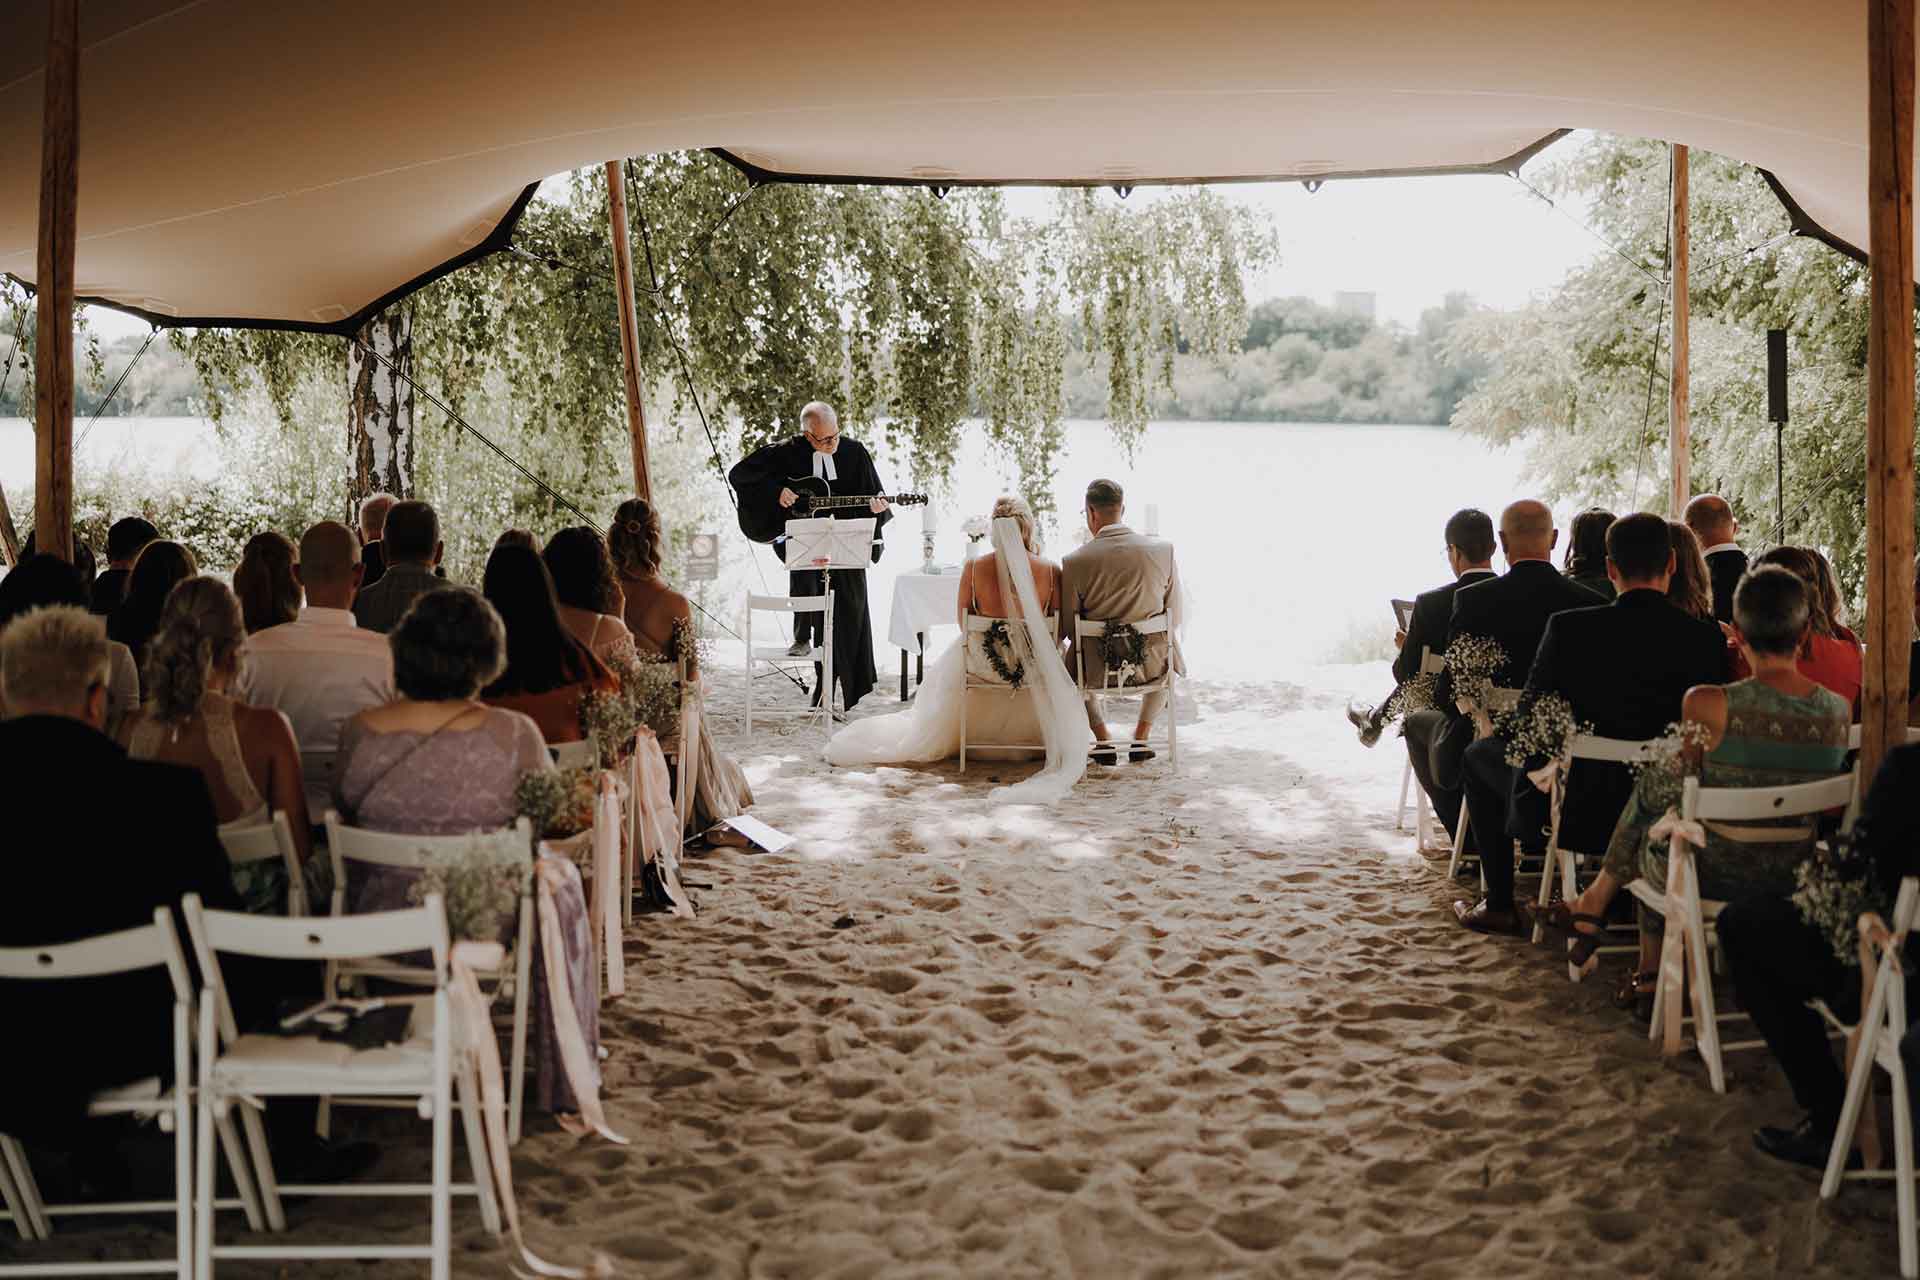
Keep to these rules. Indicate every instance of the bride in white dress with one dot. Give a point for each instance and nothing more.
(1015, 584)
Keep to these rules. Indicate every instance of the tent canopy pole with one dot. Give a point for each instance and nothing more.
(53, 327)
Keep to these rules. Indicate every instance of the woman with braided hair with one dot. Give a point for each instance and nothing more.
(246, 755)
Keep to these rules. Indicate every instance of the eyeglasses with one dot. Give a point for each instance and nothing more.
(824, 439)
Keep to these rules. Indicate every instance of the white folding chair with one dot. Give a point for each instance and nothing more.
(264, 842)
(1085, 629)
(1882, 1024)
(1562, 863)
(1683, 909)
(583, 754)
(514, 978)
(239, 1070)
(1853, 736)
(765, 659)
(1499, 699)
(973, 625)
(148, 946)
(1431, 664)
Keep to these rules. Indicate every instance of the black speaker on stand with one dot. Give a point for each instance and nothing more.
(1777, 414)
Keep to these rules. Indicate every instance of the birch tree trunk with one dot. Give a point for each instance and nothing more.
(380, 408)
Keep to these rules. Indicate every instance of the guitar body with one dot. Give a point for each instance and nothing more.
(763, 520)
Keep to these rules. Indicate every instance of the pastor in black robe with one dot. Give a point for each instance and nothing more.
(758, 479)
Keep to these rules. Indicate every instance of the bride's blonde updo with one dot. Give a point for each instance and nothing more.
(1017, 510)
(200, 631)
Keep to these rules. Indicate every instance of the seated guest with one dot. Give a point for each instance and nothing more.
(588, 589)
(1691, 590)
(265, 582)
(1830, 656)
(548, 670)
(246, 755)
(1778, 962)
(1586, 561)
(412, 545)
(516, 538)
(373, 522)
(105, 842)
(82, 559)
(1913, 653)
(1774, 728)
(1469, 548)
(662, 624)
(40, 580)
(323, 668)
(1712, 522)
(1580, 660)
(1512, 611)
(161, 566)
(125, 540)
(437, 761)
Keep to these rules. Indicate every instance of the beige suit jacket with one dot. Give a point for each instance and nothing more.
(1121, 576)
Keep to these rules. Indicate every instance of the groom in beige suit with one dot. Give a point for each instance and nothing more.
(1119, 576)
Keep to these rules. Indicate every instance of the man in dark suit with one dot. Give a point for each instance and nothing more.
(1624, 668)
(412, 540)
(77, 866)
(1469, 548)
(373, 526)
(1711, 520)
(128, 536)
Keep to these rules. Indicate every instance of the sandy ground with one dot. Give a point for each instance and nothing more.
(1212, 1021)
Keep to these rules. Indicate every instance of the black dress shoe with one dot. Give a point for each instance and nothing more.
(799, 649)
(1478, 917)
(1807, 1143)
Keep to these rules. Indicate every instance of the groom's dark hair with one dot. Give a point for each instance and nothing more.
(1470, 532)
(1640, 546)
(1105, 495)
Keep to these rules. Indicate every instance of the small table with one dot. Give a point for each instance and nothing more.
(921, 601)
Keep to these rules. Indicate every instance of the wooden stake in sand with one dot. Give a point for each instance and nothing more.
(1890, 360)
(1679, 446)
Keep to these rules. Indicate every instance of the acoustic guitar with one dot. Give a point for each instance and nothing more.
(765, 520)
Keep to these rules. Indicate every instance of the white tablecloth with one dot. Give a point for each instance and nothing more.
(921, 602)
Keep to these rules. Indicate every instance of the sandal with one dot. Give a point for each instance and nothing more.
(1583, 948)
(1636, 992)
(1104, 755)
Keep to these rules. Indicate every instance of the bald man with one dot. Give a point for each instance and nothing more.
(1512, 611)
(323, 667)
(1711, 519)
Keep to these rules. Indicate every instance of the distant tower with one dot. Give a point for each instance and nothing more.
(1354, 303)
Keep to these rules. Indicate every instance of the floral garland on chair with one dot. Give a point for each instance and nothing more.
(1472, 662)
(1542, 726)
(997, 639)
(1833, 889)
(480, 887)
(1124, 650)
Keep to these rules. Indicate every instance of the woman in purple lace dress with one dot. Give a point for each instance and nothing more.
(437, 761)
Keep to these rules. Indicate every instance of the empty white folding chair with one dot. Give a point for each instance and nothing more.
(583, 754)
(239, 1070)
(148, 946)
(1499, 701)
(1689, 917)
(1110, 686)
(1563, 864)
(974, 625)
(349, 845)
(263, 843)
(773, 659)
(1882, 1025)
(1431, 664)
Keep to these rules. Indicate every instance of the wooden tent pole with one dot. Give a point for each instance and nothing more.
(1890, 367)
(629, 326)
(9, 536)
(53, 284)
(1679, 447)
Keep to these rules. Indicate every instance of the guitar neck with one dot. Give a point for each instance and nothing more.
(830, 504)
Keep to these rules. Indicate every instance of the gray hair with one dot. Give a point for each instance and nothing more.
(1772, 606)
(373, 514)
(449, 645)
(52, 657)
(201, 629)
(818, 411)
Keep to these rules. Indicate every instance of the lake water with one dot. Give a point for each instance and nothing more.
(1291, 537)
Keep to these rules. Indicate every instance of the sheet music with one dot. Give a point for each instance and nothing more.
(830, 544)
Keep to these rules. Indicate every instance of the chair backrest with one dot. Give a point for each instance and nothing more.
(789, 604)
(393, 849)
(316, 770)
(1158, 624)
(1500, 698)
(1853, 733)
(146, 946)
(265, 841)
(575, 755)
(375, 934)
(1431, 663)
(1587, 746)
(976, 622)
(1755, 804)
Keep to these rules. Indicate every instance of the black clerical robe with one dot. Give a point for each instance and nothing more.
(758, 479)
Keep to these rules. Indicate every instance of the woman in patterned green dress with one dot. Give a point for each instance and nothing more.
(1775, 728)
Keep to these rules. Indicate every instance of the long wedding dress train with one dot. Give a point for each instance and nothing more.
(1045, 709)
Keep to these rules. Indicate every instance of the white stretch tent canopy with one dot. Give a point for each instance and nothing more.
(290, 164)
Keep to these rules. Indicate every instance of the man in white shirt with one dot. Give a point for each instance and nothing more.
(322, 668)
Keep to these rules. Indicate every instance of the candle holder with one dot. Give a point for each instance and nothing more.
(926, 551)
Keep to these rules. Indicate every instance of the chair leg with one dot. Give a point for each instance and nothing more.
(1858, 1080)
(470, 1103)
(16, 1204)
(262, 1165)
(203, 1188)
(30, 1217)
(442, 1103)
(1706, 1025)
(1459, 843)
(1903, 1171)
(1400, 810)
(243, 1181)
(1173, 727)
(522, 1000)
(1545, 898)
